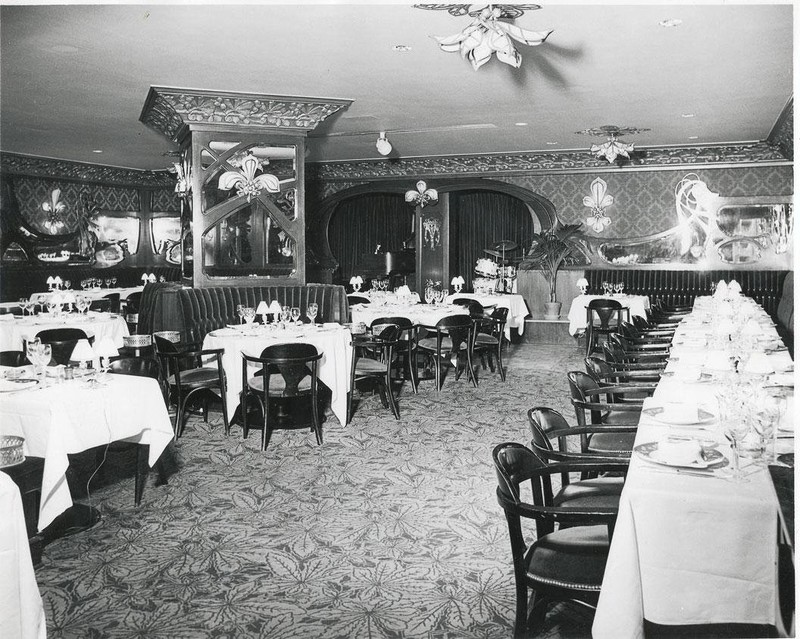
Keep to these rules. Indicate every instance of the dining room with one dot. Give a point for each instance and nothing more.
(505, 292)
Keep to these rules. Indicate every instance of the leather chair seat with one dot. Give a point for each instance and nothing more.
(611, 442)
(195, 377)
(277, 385)
(367, 366)
(429, 344)
(572, 557)
(602, 492)
(482, 339)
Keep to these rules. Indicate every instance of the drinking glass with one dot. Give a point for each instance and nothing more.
(67, 284)
(45, 353)
(41, 300)
(286, 314)
(311, 311)
(52, 305)
(430, 295)
(295, 314)
(32, 350)
(249, 315)
(23, 304)
(113, 281)
(240, 312)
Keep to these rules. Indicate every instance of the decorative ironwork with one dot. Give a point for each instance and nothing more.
(422, 196)
(246, 181)
(782, 134)
(598, 202)
(170, 110)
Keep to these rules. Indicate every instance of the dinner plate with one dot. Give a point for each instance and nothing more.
(657, 413)
(13, 385)
(712, 457)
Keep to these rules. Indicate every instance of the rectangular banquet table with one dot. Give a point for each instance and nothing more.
(636, 305)
(333, 341)
(14, 329)
(517, 308)
(73, 416)
(21, 610)
(691, 549)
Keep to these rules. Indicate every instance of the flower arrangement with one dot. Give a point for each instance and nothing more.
(486, 268)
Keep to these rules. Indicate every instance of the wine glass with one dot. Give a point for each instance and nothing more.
(286, 314)
(249, 315)
(295, 314)
(311, 311)
(23, 304)
(67, 284)
(113, 281)
(430, 295)
(45, 353)
(240, 312)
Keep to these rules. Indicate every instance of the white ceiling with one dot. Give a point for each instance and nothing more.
(74, 78)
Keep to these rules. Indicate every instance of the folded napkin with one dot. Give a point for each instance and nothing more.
(8, 385)
(403, 290)
(781, 379)
(691, 358)
(752, 327)
(787, 419)
(688, 373)
(684, 453)
(331, 325)
(226, 332)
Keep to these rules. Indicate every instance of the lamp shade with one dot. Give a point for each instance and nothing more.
(356, 279)
(50, 281)
(457, 281)
(151, 278)
(582, 283)
(82, 352)
(105, 347)
(262, 308)
(57, 280)
(144, 278)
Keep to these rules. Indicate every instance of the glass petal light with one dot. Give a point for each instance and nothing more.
(247, 182)
(612, 149)
(598, 201)
(422, 196)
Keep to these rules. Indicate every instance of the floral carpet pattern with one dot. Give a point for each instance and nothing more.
(390, 529)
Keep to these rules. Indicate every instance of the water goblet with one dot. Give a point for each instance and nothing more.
(240, 312)
(45, 353)
(113, 281)
(286, 315)
(249, 315)
(295, 314)
(52, 305)
(41, 300)
(23, 304)
(430, 294)
(67, 284)
(31, 350)
(311, 312)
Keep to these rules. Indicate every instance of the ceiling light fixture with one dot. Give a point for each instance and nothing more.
(383, 145)
(490, 32)
(613, 149)
(422, 196)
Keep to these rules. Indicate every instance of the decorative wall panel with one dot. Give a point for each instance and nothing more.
(165, 200)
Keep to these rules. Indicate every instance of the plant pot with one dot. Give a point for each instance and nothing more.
(552, 310)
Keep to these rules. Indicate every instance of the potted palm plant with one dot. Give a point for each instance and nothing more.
(549, 251)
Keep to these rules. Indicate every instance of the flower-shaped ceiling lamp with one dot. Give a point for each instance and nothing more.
(56, 208)
(247, 182)
(422, 196)
(489, 32)
(598, 201)
(612, 149)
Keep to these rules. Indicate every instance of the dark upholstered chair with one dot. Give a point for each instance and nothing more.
(603, 317)
(138, 367)
(568, 558)
(785, 313)
(189, 379)
(451, 341)
(285, 389)
(107, 304)
(62, 341)
(13, 358)
(604, 372)
(373, 360)
(132, 303)
(489, 338)
(357, 299)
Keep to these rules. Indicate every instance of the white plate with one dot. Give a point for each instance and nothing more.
(657, 413)
(13, 385)
(713, 457)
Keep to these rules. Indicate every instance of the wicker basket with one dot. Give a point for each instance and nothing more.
(172, 336)
(11, 450)
(137, 341)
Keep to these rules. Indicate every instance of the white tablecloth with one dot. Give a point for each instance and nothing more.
(21, 610)
(637, 304)
(98, 293)
(688, 549)
(517, 308)
(422, 314)
(333, 342)
(72, 417)
(13, 329)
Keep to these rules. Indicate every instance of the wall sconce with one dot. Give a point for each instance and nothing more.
(422, 196)
(597, 202)
(383, 145)
(458, 283)
(356, 281)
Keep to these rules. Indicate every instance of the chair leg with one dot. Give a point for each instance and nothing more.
(500, 366)
(225, 420)
(245, 422)
(411, 363)
(471, 369)
(142, 470)
(390, 395)
(317, 427)
(266, 434)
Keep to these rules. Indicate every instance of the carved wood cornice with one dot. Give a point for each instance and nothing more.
(170, 111)
(645, 158)
(15, 164)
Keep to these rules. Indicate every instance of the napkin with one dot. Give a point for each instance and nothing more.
(781, 379)
(226, 332)
(8, 317)
(752, 327)
(691, 358)
(688, 453)
(679, 413)
(759, 363)
(7, 385)
(718, 360)
(721, 291)
(403, 290)
(688, 373)
(787, 419)
(330, 325)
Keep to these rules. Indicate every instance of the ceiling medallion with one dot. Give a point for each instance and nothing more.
(422, 196)
(489, 32)
(613, 149)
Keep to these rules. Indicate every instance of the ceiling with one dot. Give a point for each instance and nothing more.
(74, 78)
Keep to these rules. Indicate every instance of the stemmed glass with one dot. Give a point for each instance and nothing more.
(67, 284)
(732, 418)
(295, 314)
(82, 303)
(23, 304)
(430, 295)
(249, 315)
(286, 315)
(311, 312)
(52, 305)
(240, 312)
(41, 300)
(113, 281)
(618, 288)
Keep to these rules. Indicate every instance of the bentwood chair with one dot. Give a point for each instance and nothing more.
(62, 341)
(284, 389)
(603, 317)
(489, 339)
(108, 304)
(451, 344)
(188, 379)
(607, 373)
(373, 360)
(567, 560)
(13, 358)
(554, 440)
(406, 348)
(139, 367)
(132, 303)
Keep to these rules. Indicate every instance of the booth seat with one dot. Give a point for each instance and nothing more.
(22, 280)
(681, 287)
(197, 311)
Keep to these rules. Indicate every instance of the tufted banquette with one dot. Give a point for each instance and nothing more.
(681, 287)
(196, 311)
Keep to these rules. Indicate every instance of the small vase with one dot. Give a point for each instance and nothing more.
(552, 310)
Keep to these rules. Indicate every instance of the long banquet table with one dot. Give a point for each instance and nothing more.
(14, 329)
(692, 549)
(636, 305)
(333, 341)
(73, 416)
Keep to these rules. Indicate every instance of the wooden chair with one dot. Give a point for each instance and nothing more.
(489, 338)
(451, 343)
(603, 317)
(373, 358)
(62, 341)
(406, 348)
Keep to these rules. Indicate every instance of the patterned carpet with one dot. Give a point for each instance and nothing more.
(390, 529)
